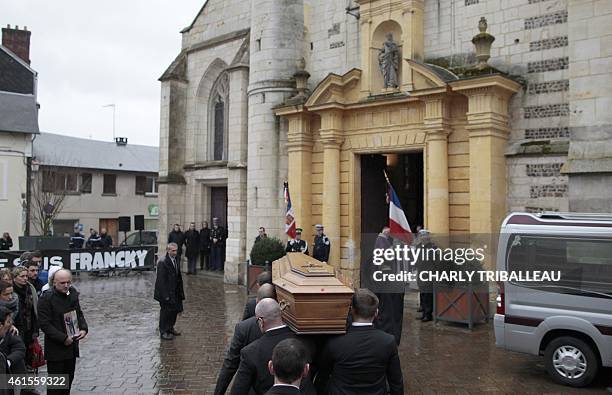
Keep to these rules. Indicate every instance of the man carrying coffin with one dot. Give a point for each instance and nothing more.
(253, 369)
(169, 292)
(364, 359)
(245, 333)
(297, 244)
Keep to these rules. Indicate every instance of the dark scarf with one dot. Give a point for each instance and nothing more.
(13, 305)
(27, 303)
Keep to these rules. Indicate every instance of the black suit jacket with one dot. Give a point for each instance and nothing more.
(249, 308)
(360, 362)
(283, 390)
(245, 333)
(253, 369)
(169, 284)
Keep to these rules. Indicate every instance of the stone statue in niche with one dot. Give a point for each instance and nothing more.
(388, 60)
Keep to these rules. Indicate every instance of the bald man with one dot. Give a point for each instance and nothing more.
(253, 369)
(246, 332)
(61, 347)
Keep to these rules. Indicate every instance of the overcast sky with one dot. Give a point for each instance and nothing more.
(92, 53)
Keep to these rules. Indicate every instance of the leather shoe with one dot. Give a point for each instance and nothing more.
(426, 319)
(174, 332)
(167, 336)
(419, 318)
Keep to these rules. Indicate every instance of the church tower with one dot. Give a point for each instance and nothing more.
(277, 36)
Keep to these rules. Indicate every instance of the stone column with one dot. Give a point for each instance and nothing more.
(332, 137)
(299, 144)
(237, 173)
(436, 122)
(171, 157)
(488, 100)
(276, 41)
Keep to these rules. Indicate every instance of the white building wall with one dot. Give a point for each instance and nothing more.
(14, 149)
(89, 208)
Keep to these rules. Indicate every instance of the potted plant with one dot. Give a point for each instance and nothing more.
(263, 253)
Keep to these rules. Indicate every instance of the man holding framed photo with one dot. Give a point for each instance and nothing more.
(63, 323)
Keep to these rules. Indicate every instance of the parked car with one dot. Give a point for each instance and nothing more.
(569, 321)
(149, 237)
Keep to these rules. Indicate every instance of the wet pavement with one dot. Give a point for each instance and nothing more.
(124, 355)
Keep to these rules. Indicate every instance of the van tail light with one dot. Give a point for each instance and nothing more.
(501, 306)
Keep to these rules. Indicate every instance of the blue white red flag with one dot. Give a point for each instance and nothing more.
(398, 223)
(290, 226)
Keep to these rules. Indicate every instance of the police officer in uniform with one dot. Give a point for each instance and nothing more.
(297, 244)
(217, 250)
(322, 244)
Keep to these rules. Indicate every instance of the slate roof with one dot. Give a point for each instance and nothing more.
(15, 74)
(18, 113)
(57, 150)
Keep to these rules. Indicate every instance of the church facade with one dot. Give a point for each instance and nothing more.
(330, 95)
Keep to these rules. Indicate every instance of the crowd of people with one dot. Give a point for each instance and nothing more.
(29, 306)
(206, 245)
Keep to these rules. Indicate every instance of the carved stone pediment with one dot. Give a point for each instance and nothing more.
(426, 76)
(336, 89)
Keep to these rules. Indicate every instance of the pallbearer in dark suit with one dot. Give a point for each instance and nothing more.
(169, 292)
(245, 333)
(320, 250)
(253, 369)
(217, 247)
(297, 244)
(363, 360)
(289, 365)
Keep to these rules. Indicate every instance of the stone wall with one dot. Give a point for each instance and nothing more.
(532, 42)
(590, 154)
(331, 39)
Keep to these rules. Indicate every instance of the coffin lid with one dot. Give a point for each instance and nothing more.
(300, 273)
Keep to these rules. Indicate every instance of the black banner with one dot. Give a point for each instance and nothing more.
(87, 260)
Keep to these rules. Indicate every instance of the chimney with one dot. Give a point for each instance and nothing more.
(18, 41)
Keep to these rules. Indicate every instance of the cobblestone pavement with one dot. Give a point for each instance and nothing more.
(123, 352)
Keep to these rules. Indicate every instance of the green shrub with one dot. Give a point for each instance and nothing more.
(268, 249)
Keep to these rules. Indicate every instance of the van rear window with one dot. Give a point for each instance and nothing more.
(585, 264)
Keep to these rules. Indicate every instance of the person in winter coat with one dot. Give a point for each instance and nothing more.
(63, 323)
(204, 246)
(192, 250)
(9, 300)
(169, 292)
(94, 239)
(106, 241)
(177, 237)
(6, 242)
(27, 319)
(12, 349)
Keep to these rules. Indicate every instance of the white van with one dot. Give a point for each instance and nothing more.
(568, 321)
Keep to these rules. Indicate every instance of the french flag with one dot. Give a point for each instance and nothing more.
(400, 229)
(290, 226)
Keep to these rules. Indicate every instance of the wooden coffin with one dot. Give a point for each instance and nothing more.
(312, 298)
